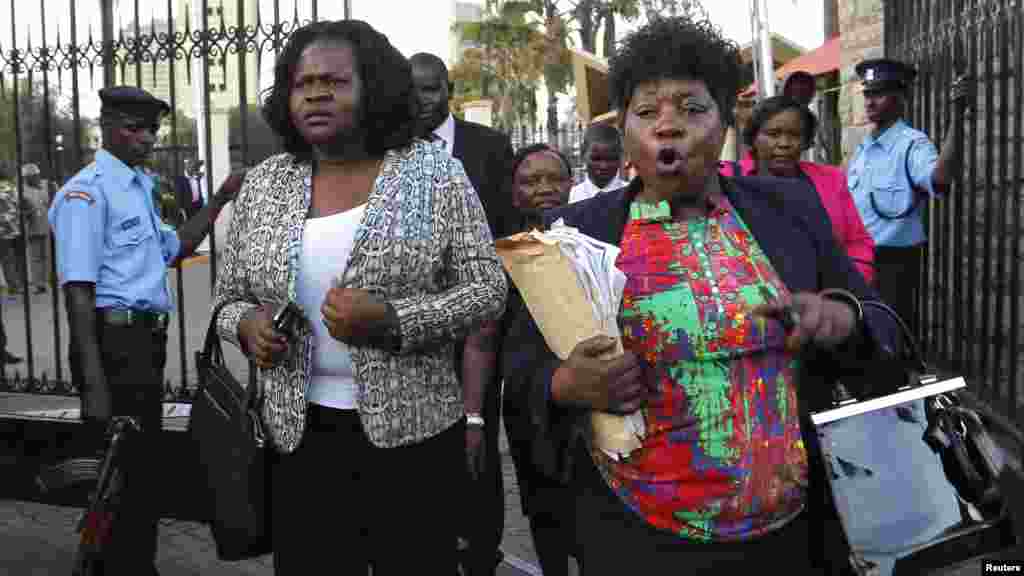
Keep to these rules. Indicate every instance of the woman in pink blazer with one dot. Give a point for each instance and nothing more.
(779, 130)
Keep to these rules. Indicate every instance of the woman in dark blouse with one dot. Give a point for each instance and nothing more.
(738, 314)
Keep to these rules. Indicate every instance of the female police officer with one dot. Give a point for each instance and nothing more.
(112, 255)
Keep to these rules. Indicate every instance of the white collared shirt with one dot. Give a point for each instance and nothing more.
(587, 189)
(447, 132)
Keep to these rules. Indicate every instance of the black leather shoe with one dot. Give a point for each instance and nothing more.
(9, 358)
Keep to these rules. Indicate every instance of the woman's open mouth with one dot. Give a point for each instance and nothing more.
(668, 161)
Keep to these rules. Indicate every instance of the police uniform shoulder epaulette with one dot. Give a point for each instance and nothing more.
(87, 175)
(914, 133)
(81, 186)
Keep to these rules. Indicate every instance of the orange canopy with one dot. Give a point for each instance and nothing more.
(821, 60)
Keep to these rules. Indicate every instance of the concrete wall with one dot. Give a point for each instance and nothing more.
(861, 26)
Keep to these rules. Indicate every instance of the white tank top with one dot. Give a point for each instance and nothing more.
(326, 245)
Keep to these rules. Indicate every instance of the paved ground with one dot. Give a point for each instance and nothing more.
(39, 540)
(49, 324)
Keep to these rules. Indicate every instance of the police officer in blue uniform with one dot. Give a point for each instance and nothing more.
(893, 171)
(112, 254)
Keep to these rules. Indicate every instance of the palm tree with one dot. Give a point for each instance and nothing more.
(510, 59)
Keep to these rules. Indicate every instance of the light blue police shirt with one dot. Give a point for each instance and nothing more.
(108, 233)
(878, 167)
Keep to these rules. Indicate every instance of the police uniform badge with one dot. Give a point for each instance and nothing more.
(79, 195)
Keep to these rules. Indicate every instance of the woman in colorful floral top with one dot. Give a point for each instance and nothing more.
(738, 314)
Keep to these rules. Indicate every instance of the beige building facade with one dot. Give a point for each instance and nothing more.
(861, 29)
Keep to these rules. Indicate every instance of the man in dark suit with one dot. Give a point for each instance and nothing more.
(187, 188)
(486, 155)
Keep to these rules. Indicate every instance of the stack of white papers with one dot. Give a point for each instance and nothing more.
(594, 263)
(603, 283)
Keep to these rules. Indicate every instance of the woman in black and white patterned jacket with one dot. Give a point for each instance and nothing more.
(382, 242)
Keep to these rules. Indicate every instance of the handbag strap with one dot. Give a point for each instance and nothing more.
(912, 350)
(211, 345)
(213, 350)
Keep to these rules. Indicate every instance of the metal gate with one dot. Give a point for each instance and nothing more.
(205, 60)
(970, 314)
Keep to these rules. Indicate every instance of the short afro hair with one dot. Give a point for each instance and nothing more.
(602, 133)
(771, 107)
(677, 48)
(387, 110)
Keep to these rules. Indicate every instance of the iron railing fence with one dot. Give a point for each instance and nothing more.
(970, 312)
(72, 49)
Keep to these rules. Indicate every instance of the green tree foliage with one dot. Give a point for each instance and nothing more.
(558, 63)
(591, 16)
(653, 9)
(34, 115)
(505, 65)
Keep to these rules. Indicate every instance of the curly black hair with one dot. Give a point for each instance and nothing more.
(387, 111)
(526, 151)
(769, 108)
(679, 48)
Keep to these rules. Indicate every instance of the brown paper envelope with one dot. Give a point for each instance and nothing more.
(560, 307)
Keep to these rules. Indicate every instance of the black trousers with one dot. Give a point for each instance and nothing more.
(133, 358)
(548, 503)
(898, 278)
(616, 541)
(338, 502)
(484, 510)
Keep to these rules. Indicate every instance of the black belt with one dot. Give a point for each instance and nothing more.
(124, 317)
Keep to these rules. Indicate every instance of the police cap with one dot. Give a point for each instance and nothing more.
(883, 74)
(132, 101)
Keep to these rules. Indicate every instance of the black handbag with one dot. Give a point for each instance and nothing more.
(972, 460)
(228, 433)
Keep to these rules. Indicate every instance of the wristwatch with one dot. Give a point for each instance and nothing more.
(475, 419)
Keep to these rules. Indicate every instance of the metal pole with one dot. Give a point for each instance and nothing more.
(107, 20)
(767, 79)
(205, 138)
(831, 23)
(199, 87)
(348, 9)
(755, 49)
(830, 101)
(20, 192)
